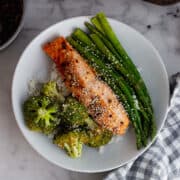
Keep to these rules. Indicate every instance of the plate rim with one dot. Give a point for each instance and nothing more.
(101, 169)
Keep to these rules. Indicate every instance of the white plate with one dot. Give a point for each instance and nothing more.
(34, 64)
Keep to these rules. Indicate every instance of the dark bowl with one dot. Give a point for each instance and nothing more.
(18, 29)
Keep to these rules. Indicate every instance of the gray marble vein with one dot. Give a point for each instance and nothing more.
(161, 25)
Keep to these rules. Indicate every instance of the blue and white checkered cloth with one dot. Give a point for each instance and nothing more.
(162, 160)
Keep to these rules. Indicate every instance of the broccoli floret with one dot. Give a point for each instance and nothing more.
(41, 114)
(71, 142)
(74, 114)
(96, 136)
(50, 89)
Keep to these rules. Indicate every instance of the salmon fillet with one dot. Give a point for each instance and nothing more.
(82, 81)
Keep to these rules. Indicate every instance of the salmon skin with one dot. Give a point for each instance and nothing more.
(82, 81)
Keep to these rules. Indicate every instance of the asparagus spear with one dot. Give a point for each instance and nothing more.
(93, 30)
(95, 21)
(108, 31)
(133, 80)
(83, 37)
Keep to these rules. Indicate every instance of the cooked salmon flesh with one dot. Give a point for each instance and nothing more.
(82, 81)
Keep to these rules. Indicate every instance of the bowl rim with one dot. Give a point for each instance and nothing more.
(116, 166)
(18, 30)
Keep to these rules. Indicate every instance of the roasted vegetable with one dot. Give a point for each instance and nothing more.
(71, 142)
(98, 138)
(73, 113)
(50, 89)
(74, 116)
(95, 135)
(93, 30)
(41, 114)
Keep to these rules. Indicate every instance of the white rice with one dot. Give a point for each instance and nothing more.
(35, 85)
(55, 76)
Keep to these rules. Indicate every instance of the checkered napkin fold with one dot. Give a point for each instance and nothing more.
(162, 160)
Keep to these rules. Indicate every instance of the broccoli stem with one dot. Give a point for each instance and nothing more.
(71, 142)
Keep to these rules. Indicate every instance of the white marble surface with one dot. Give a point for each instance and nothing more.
(17, 159)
